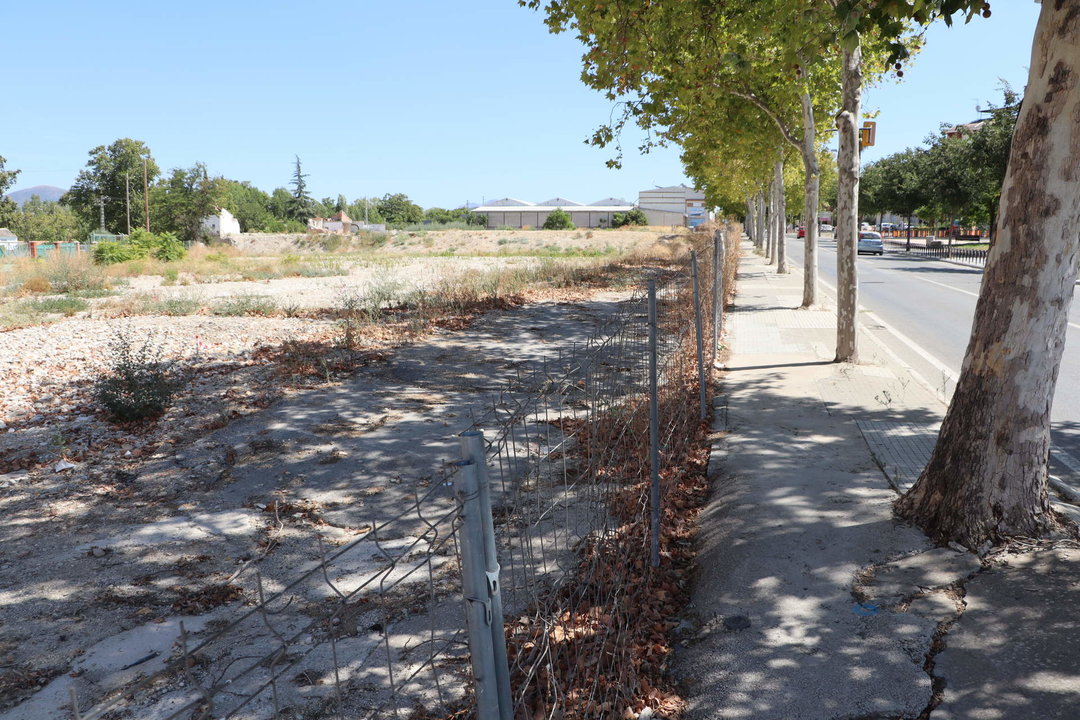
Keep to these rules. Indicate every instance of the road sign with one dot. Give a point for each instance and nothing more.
(867, 134)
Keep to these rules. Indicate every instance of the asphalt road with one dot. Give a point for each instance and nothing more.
(923, 309)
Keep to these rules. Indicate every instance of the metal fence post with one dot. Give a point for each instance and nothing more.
(472, 448)
(699, 335)
(654, 430)
(474, 590)
(718, 290)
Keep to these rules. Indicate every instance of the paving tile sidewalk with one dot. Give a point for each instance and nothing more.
(811, 601)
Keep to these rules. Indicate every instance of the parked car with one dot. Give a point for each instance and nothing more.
(826, 227)
(800, 231)
(887, 226)
(870, 242)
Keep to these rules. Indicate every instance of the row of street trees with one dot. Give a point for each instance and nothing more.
(123, 188)
(957, 176)
(742, 86)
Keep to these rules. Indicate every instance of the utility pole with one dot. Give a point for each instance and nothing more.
(127, 199)
(146, 195)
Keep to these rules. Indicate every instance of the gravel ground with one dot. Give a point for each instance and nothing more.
(74, 486)
(399, 275)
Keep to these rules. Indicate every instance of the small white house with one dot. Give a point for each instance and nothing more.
(221, 224)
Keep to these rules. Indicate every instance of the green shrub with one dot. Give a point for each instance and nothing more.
(142, 242)
(169, 248)
(634, 216)
(110, 252)
(137, 384)
(559, 219)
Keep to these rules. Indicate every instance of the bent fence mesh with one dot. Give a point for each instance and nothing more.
(372, 626)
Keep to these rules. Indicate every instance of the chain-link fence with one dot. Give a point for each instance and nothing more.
(593, 461)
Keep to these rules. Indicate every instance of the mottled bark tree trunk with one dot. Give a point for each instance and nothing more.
(781, 217)
(751, 222)
(847, 208)
(781, 220)
(763, 222)
(987, 476)
(811, 191)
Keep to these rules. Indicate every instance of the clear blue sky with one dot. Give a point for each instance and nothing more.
(444, 101)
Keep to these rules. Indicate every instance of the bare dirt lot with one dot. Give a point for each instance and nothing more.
(114, 534)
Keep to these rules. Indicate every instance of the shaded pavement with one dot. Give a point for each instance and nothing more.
(811, 600)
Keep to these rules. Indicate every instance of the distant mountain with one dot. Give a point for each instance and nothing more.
(48, 193)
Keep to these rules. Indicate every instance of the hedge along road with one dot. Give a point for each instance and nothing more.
(925, 309)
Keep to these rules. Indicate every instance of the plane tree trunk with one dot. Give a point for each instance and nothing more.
(847, 208)
(811, 191)
(762, 222)
(987, 476)
(780, 221)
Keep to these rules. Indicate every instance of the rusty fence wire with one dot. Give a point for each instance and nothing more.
(372, 625)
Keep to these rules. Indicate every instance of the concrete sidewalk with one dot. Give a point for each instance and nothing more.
(811, 601)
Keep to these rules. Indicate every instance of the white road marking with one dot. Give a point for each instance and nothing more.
(968, 292)
(1062, 456)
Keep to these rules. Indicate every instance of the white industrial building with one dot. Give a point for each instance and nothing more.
(510, 212)
(676, 205)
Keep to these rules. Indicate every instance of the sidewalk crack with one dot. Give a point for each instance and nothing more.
(957, 592)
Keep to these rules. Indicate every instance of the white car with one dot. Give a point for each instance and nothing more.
(870, 242)
(826, 227)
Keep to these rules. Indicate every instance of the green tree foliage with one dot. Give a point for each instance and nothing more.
(249, 205)
(179, 203)
(441, 216)
(559, 219)
(987, 154)
(301, 205)
(397, 209)
(365, 209)
(324, 208)
(113, 172)
(958, 176)
(8, 208)
(634, 216)
(905, 188)
(871, 188)
(280, 200)
(43, 221)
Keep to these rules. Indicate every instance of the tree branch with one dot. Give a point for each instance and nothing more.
(761, 105)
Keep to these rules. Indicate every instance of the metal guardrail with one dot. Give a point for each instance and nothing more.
(942, 251)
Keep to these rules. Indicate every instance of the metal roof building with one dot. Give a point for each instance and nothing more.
(510, 212)
(675, 205)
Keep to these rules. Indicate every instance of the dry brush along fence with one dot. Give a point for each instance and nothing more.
(584, 491)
